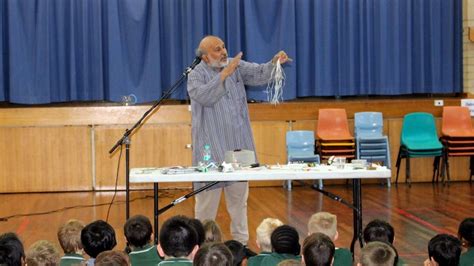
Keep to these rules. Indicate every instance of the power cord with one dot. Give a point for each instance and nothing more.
(116, 183)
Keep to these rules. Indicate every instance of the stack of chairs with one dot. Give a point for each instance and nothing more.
(419, 138)
(300, 149)
(333, 135)
(457, 136)
(371, 144)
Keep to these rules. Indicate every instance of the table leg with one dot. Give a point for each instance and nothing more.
(155, 211)
(357, 213)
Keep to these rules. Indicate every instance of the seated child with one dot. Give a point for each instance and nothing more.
(238, 252)
(199, 227)
(379, 230)
(318, 250)
(443, 250)
(326, 223)
(69, 237)
(466, 235)
(112, 258)
(285, 243)
(42, 253)
(378, 253)
(97, 237)
(213, 254)
(178, 242)
(212, 231)
(12, 252)
(139, 234)
(264, 233)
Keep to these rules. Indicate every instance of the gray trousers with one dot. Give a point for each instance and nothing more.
(236, 194)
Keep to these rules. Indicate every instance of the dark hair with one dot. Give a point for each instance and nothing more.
(238, 251)
(378, 253)
(466, 231)
(112, 258)
(197, 224)
(177, 237)
(11, 250)
(285, 240)
(445, 249)
(213, 254)
(138, 231)
(378, 230)
(318, 250)
(96, 237)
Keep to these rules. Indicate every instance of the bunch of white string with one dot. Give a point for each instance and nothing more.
(275, 84)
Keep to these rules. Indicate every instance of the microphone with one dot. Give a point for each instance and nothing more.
(196, 61)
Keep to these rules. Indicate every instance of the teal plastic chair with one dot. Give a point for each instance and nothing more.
(371, 144)
(300, 148)
(419, 138)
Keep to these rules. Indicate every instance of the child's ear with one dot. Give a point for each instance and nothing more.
(160, 251)
(195, 250)
(336, 236)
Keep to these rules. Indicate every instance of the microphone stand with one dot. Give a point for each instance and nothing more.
(125, 140)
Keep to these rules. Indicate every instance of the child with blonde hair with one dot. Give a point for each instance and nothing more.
(264, 234)
(326, 223)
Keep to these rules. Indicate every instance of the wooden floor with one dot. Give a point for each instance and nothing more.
(417, 213)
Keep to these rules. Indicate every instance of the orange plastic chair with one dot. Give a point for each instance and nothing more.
(457, 136)
(457, 123)
(333, 125)
(333, 135)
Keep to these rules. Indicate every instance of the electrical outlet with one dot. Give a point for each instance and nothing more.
(438, 102)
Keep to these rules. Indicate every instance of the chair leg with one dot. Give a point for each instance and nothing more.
(398, 163)
(435, 168)
(407, 173)
(288, 185)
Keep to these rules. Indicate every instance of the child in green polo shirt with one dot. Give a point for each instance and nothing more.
(69, 236)
(466, 235)
(285, 244)
(264, 233)
(326, 223)
(139, 234)
(178, 242)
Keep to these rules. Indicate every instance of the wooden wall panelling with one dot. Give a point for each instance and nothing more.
(151, 146)
(45, 159)
(270, 146)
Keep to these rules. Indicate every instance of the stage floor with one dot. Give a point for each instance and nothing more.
(417, 213)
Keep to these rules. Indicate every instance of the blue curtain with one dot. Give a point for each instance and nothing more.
(80, 50)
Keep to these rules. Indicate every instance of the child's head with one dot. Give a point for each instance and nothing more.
(97, 237)
(323, 222)
(178, 238)
(213, 254)
(11, 250)
(378, 253)
(112, 257)
(42, 252)
(238, 252)
(444, 250)
(466, 232)
(285, 240)
(378, 230)
(212, 231)
(138, 231)
(264, 233)
(69, 236)
(199, 227)
(318, 250)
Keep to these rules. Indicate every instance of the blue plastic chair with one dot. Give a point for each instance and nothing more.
(371, 144)
(419, 138)
(300, 148)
